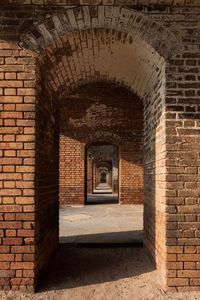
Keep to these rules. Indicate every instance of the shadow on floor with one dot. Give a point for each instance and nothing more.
(122, 238)
(73, 266)
(102, 199)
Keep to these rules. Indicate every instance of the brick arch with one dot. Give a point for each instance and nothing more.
(117, 18)
(129, 49)
(86, 56)
(109, 42)
(103, 141)
(136, 66)
(171, 124)
(115, 148)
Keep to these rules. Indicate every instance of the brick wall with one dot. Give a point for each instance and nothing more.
(17, 167)
(84, 45)
(183, 144)
(46, 176)
(131, 182)
(72, 171)
(28, 186)
(133, 3)
(90, 176)
(155, 174)
(101, 113)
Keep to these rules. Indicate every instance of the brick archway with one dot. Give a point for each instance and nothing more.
(84, 43)
(79, 46)
(102, 158)
(116, 45)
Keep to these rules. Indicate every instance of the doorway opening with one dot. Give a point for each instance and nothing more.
(70, 48)
(101, 166)
(102, 174)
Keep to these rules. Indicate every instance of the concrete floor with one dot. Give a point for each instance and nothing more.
(101, 224)
(103, 188)
(102, 198)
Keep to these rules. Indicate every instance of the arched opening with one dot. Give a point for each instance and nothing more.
(101, 162)
(70, 51)
(75, 61)
(102, 173)
(109, 116)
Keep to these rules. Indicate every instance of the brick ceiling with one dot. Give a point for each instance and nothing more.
(108, 2)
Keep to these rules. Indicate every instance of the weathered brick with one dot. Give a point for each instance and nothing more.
(22, 265)
(5, 225)
(12, 241)
(11, 208)
(6, 257)
(171, 122)
(4, 265)
(26, 91)
(188, 257)
(7, 273)
(177, 281)
(188, 273)
(22, 249)
(11, 99)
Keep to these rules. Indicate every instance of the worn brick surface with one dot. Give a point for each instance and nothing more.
(133, 3)
(101, 113)
(14, 166)
(153, 51)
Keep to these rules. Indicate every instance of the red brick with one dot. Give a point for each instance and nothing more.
(28, 273)
(175, 265)
(22, 249)
(4, 265)
(5, 225)
(25, 216)
(6, 257)
(11, 99)
(189, 273)
(11, 233)
(9, 83)
(28, 257)
(7, 273)
(11, 208)
(26, 91)
(22, 265)
(177, 281)
(188, 257)
(4, 249)
(195, 281)
(12, 241)
(25, 233)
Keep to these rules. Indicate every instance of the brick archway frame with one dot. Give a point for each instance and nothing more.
(81, 45)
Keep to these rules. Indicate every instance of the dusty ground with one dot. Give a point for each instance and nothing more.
(78, 273)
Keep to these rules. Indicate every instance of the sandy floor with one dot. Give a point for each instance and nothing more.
(78, 273)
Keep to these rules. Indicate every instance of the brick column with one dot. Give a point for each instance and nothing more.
(131, 185)
(17, 167)
(72, 171)
(89, 175)
(183, 161)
